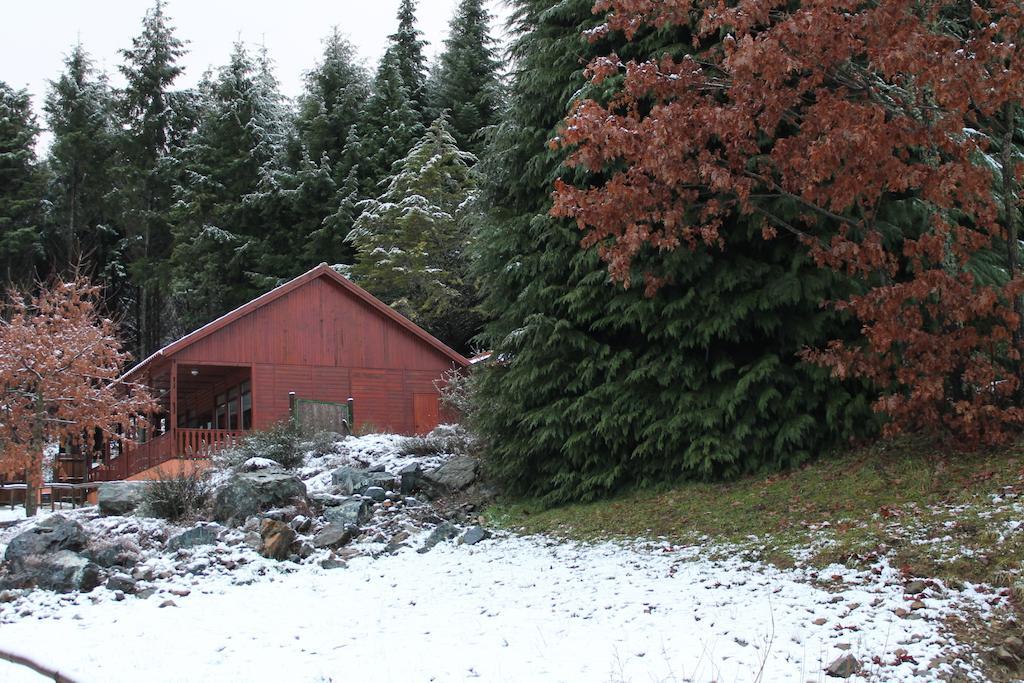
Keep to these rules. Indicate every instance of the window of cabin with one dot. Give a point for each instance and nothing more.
(233, 408)
(245, 388)
(220, 416)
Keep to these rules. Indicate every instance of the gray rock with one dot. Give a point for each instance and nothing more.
(325, 500)
(53, 534)
(352, 512)
(332, 563)
(334, 536)
(410, 478)
(118, 553)
(123, 583)
(375, 469)
(63, 571)
(190, 538)
(376, 494)
(451, 477)
(300, 523)
(250, 493)
(445, 531)
(120, 497)
(474, 535)
(350, 480)
(915, 586)
(843, 667)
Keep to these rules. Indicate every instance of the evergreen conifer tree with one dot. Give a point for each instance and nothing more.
(80, 113)
(465, 82)
(411, 241)
(389, 124)
(219, 233)
(22, 184)
(596, 387)
(153, 120)
(407, 47)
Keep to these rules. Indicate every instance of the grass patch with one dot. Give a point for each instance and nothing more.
(929, 511)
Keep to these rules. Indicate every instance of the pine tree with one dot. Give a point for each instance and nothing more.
(80, 113)
(336, 90)
(389, 123)
(219, 232)
(412, 241)
(407, 47)
(599, 387)
(466, 82)
(22, 182)
(152, 119)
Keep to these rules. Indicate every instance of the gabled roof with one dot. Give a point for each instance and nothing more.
(323, 270)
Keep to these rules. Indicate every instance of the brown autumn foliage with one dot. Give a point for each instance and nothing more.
(819, 121)
(60, 361)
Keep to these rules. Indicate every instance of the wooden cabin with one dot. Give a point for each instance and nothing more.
(318, 347)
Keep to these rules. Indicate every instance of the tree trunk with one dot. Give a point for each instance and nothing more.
(34, 475)
(1012, 236)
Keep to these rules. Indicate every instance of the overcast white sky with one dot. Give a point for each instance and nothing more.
(35, 35)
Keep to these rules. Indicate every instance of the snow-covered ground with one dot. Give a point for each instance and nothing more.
(510, 608)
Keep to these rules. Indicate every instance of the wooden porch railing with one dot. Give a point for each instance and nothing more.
(135, 457)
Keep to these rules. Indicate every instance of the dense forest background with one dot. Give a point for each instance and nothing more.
(186, 203)
(699, 241)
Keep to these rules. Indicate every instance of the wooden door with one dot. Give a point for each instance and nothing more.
(426, 412)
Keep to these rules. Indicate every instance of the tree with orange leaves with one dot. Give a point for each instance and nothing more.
(60, 363)
(883, 136)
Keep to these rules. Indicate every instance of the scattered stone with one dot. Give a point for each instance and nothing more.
(332, 563)
(119, 553)
(917, 604)
(1014, 645)
(120, 497)
(53, 534)
(843, 646)
(1004, 656)
(253, 540)
(335, 535)
(453, 476)
(250, 493)
(197, 536)
(409, 477)
(820, 621)
(445, 531)
(9, 596)
(118, 596)
(180, 592)
(915, 586)
(351, 480)
(300, 523)
(376, 494)
(305, 550)
(375, 469)
(146, 593)
(168, 603)
(843, 667)
(122, 583)
(352, 512)
(474, 535)
(277, 538)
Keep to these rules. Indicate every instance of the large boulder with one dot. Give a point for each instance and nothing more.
(117, 553)
(276, 539)
(352, 512)
(62, 571)
(120, 497)
(453, 476)
(53, 534)
(196, 536)
(350, 480)
(250, 493)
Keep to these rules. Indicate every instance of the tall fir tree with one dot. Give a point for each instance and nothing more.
(22, 185)
(412, 241)
(466, 82)
(152, 121)
(218, 232)
(597, 387)
(335, 91)
(407, 46)
(83, 216)
(389, 124)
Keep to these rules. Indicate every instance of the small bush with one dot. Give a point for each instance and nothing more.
(323, 443)
(444, 440)
(175, 497)
(280, 443)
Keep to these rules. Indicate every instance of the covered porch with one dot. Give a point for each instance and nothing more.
(203, 408)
